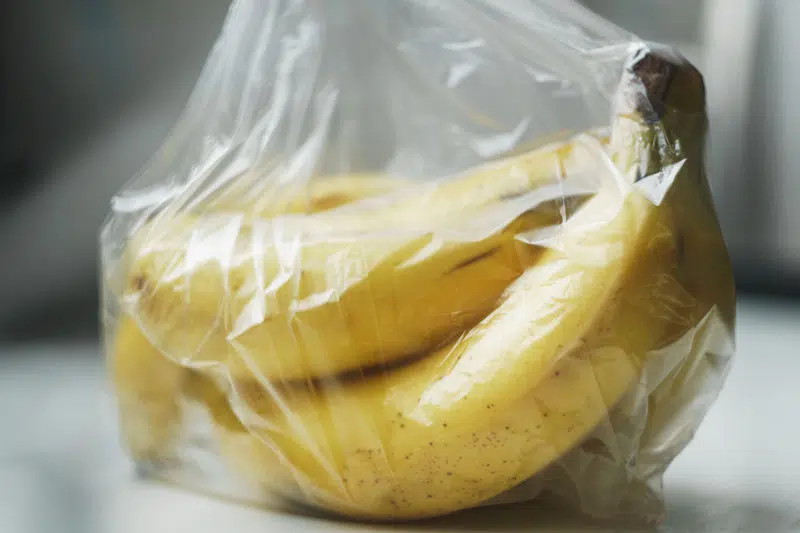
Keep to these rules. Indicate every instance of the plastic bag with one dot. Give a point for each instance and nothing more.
(401, 258)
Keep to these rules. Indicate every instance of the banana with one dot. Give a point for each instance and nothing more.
(367, 450)
(521, 388)
(146, 386)
(312, 296)
(151, 409)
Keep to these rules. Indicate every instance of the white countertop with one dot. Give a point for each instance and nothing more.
(61, 469)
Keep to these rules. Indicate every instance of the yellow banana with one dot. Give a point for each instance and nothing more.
(470, 421)
(147, 387)
(299, 297)
(148, 384)
(151, 409)
(521, 388)
(367, 450)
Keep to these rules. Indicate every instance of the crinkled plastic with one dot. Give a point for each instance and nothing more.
(405, 257)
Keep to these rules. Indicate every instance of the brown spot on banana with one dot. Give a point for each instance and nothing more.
(475, 259)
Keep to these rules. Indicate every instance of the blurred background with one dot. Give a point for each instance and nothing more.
(90, 88)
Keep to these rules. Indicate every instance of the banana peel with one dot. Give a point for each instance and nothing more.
(315, 296)
(429, 439)
(147, 387)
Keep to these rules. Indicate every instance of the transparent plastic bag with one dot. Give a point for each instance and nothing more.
(401, 258)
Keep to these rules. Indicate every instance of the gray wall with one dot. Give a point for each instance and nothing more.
(90, 89)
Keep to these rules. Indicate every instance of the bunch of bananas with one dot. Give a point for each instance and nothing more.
(390, 352)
